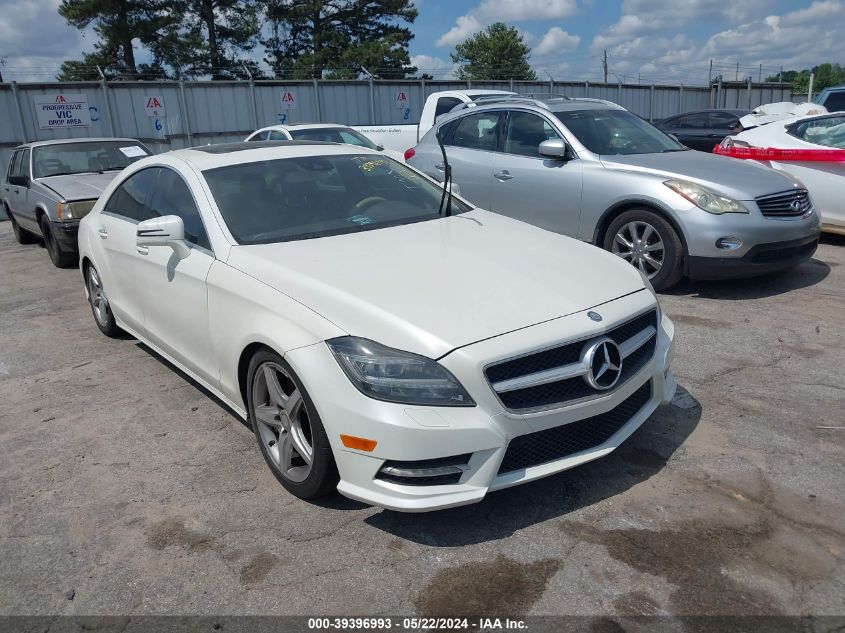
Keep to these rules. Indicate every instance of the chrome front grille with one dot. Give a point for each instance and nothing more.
(553, 377)
(787, 204)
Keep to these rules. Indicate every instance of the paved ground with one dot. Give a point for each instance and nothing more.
(123, 482)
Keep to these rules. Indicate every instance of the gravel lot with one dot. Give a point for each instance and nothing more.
(124, 483)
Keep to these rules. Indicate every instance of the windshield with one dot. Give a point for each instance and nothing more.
(333, 135)
(617, 132)
(82, 158)
(317, 196)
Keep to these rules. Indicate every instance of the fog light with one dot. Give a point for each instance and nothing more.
(728, 243)
(430, 472)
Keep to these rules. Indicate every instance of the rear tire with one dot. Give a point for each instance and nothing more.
(60, 258)
(647, 241)
(287, 426)
(21, 235)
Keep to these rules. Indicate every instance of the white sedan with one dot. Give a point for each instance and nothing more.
(808, 148)
(324, 132)
(381, 339)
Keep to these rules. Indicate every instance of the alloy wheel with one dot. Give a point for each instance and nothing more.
(283, 424)
(640, 244)
(99, 302)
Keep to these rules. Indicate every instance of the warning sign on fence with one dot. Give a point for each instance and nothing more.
(154, 106)
(402, 100)
(288, 100)
(62, 110)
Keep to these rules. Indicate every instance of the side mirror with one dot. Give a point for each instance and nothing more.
(674, 137)
(380, 148)
(168, 230)
(553, 148)
(19, 181)
(456, 189)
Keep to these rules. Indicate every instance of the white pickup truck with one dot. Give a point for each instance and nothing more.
(402, 137)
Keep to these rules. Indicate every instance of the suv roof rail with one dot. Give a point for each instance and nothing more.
(542, 101)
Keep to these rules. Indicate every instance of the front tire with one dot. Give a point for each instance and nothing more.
(60, 258)
(288, 428)
(100, 307)
(647, 241)
(22, 236)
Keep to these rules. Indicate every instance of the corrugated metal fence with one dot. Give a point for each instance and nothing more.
(198, 113)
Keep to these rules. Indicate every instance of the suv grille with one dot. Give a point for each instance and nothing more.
(556, 443)
(549, 393)
(788, 204)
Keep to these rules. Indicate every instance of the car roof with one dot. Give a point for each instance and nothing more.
(737, 111)
(67, 141)
(212, 156)
(302, 126)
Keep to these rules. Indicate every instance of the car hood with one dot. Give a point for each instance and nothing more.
(79, 186)
(433, 286)
(737, 179)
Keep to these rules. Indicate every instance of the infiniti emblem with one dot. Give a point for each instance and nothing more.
(595, 316)
(603, 361)
(796, 206)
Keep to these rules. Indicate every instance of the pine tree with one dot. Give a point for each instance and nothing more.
(496, 53)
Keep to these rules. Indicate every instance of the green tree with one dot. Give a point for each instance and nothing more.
(826, 75)
(117, 23)
(311, 39)
(495, 53)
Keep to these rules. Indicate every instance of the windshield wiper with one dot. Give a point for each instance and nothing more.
(447, 180)
(679, 149)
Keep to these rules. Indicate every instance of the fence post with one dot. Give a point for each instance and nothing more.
(372, 103)
(749, 92)
(651, 104)
(254, 103)
(619, 97)
(586, 89)
(108, 106)
(681, 98)
(511, 85)
(317, 100)
(20, 111)
(186, 121)
(719, 93)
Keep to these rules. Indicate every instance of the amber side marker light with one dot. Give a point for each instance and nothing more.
(358, 443)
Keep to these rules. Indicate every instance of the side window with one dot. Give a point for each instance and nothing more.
(670, 124)
(477, 131)
(723, 120)
(525, 133)
(262, 136)
(275, 135)
(695, 121)
(173, 197)
(14, 164)
(444, 105)
(835, 102)
(130, 200)
(23, 168)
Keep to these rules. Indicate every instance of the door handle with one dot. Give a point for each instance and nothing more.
(103, 233)
(440, 166)
(503, 175)
(143, 250)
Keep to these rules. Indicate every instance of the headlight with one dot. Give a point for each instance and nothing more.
(74, 210)
(705, 199)
(392, 375)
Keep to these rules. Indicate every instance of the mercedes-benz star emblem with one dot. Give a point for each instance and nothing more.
(595, 316)
(604, 363)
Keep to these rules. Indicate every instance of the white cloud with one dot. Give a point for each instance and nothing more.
(556, 40)
(489, 11)
(437, 67)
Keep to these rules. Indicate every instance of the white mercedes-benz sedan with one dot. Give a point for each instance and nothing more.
(381, 337)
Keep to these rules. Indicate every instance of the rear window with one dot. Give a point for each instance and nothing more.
(828, 131)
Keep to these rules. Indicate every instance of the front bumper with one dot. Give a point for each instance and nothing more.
(408, 433)
(759, 260)
(66, 235)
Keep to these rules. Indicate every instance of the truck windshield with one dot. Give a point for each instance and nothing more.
(617, 132)
(317, 196)
(333, 135)
(81, 158)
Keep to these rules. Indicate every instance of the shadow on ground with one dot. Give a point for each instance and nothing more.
(503, 513)
(809, 273)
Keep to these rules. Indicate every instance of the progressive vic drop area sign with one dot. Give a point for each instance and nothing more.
(62, 110)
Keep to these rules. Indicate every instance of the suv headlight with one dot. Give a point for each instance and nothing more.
(392, 375)
(74, 210)
(704, 198)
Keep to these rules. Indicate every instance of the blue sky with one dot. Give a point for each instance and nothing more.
(660, 41)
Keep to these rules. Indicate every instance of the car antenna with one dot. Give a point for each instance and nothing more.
(447, 180)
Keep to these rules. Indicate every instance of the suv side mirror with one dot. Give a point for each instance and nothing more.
(19, 181)
(168, 230)
(553, 148)
(380, 147)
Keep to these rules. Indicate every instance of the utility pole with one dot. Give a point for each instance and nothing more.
(736, 77)
(780, 75)
(604, 65)
(760, 75)
(710, 74)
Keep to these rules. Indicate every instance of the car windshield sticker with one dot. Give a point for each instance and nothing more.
(361, 219)
(132, 151)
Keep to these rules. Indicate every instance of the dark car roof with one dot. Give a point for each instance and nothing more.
(728, 110)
